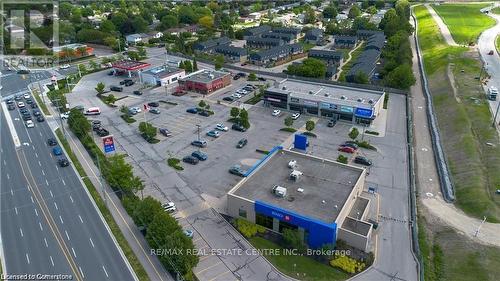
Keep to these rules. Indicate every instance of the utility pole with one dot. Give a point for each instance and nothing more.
(100, 174)
(60, 118)
(198, 127)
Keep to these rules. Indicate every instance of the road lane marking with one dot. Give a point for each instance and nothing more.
(46, 244)
(81, 272)
(36, 212)
(15, 209)
(57, 168)
(41, 134)
(27, 258)
(10, 124)
(60, 218)
(11, 192)
(32, 201)
(105, 272)
(50, 191)
(21, 231)
(91, 242)
(39, 163)
(55, 205)
(51, 261)
(4, 163)
(43, 172)
(80, 218)
(36, 154)
(73, 250)
(63, 181)
(67, 236)
(47, 182)
(71, 198)
(8, 176)
(41, 227)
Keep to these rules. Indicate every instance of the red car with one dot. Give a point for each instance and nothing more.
(347, 149)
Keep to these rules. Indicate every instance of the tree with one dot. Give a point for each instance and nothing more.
(111, 99)
(401, 77)
(309, 16)
(100, 88)
(309, 67)
(234, 112)
(310, 125)
(107, 26)
(202, 104)
(141, 51)
(119, 175)
(288, 121)
(169, 21)
(219, 61)
(252, 77)
(206, 21)
(243, 114)
(342, 159)
(93, 65)
(330, 12)
(148, 131)
(361, 78)
(354, 133)
(145, 211)
(380, 4)
(365, 4)
(188, 66)
(139, 24)
(186, 15)
(68, 53)
(77, 123)
(82, 68)
(195, 65)
(371, 10)
(294, 239)
(354, 12)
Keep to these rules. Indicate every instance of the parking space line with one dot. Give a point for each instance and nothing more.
(221, 275)
(217, 263)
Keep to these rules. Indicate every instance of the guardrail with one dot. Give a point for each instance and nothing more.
(441, 164)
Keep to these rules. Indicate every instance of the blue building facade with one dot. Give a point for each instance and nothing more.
(317, 233)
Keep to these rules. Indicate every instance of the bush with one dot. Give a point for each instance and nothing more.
(342, 159)
(294, 240)
(288, 129)
(247, 228)
(347, 264)
(372, 133)
(148, 131)
(288, 121)
(386, 100)
(252, 77)
(127, 118)
(365, 144)
(354, 133)
(175, 163)
(262, 151)
(310, 125)
(309, 134)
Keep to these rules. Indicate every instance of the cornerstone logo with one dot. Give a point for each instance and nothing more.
(29, 33)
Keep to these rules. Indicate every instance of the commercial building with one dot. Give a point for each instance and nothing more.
(263, 43)
(231, 53)
(205, 81)
(314, 36)
(276, 54)
(349, 104)
(329, 56)
(129, 66)
(78, 50)
(345, 41)
(162, 75)
(318, 197)
(210, 45)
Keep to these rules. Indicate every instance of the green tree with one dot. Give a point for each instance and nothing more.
(365, 4)
(354, 133)
(195, 65)
(202, 104)
(82, 68)
(310, 125)
(93, 65)
(78, 123)
(309, 67)
(401, 77)
(234, 112)
(141, 51)
(354, 12)
(361, 78)
(188, 66)
(252, 77)
(100, 88)
(111, 99)
(206, 21)
(294, 239)
(148, 131)
(288, 121)
(380, 4)
(186, 15)
(330, 12)
(119, 175)
(342, 159)
(371, 10)
(169, 21)
(219, 61)
(145, 211)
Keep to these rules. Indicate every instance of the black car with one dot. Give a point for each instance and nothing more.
(102, 132)
(129, 83)
(363, 161)
(204, 113)
(23, 110)
(23, 71)
(11, 107)
(40, 118)
(236, 77)
(242, 74)
(63, 162)
(153, 104)
(191, 160)
(238, 127)
(36, 113)
(116, 89)
(137, 93)
(242, 143)
(236, 170)
(33, 105)
(18, 98)
(165, 132)
(112, 72)
(29, 101)
(261, 79)
(228, 98)
(51, 142)
(9, 101)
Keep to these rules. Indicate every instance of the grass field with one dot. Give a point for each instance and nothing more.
(497, 43)
(354, 56)
(465, 21)
(495, 10)
(305, 269)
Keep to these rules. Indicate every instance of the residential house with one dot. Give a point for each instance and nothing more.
(256, 31)
(345, 41)
(314, 36)
(255, 16)
(231, 53)
(270, 56)
(366, 63)
(193, 29)
(287, 37)
(329, 56)
(208, 46)
(364, 34)
(155, 34)
(294, 31)
(137, 38)
(376, 41)
(263, 43)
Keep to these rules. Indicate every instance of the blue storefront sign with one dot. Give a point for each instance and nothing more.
(328, 105)
(363, 112)
(300, 142)
(109, 144)
(320, 233)
(346, 109)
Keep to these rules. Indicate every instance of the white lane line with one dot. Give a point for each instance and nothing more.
(15, 209)
(67, 236)
(47, 182)
(51, 261)
(80, 218)
(60, 218)
(4, 163)
(63, 182)
(43, 172)
(105, 272)
(46, 244)
(32, 201)
(74, 253)
(57, 168)
(36, 154)
(36, 212)
(8, 176)
(50, 191)
(81, 271)
(27, 258)
(39, 163)
(71, 198)
(11, 192)
(91, 242)
(51, 156)
(41, 227)
(21, 231)
(40, 134)
(55, 205)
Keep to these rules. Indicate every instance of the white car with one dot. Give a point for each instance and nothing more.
(26, 96)
(295, 116)
(64, 66)
(30, 124)
(168, 205)
(136, 109)
(64, 115)
(236, 95)
(221, 127)
(20, 104)
(276, 112)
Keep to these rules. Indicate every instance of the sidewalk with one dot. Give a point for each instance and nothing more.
(134, 237)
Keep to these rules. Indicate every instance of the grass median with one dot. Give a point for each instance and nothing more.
(134, 262)
(41, 104)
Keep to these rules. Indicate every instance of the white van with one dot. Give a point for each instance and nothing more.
(92, 111)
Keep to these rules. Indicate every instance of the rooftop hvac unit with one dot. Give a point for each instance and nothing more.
(284, 88)
(370, 101)
(294, 175)
(311, 92)
(292, 164)
(343, 97)
(211, 76)
(279, 191)
(301, 190)
(360, 100)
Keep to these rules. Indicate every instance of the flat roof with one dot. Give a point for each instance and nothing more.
(130, 65)
(356, 226)
(204, 76)
(327, 92)
(162, 71)
(326, 185)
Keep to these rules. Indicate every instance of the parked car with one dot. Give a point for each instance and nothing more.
(51, 141)
(36, 113)
(33, 105)
(27, 117)
(221, 127)
(295, 116)
(129, 83)
(213, 134)
(346, 149)
(230, 98)
(9, 101)
(137, 93)
(30, 124)
(242, 74)
(199, 155)
(236, 170)
(276, 112)
(199, 143)
(64, 115)
(192, 110)
(11, 107)
(65, 66)
(26, 96)
(23, 71)
(204, 113)
(111, 73)
(165, 132)
(350, 144)
(242, 143)
(116, 88)
(18, 98)
(102, 132)
(261, 79)
(57, 151)
(21, 104)
(153, 104)
(63, 162)
(238, 127)
(236, 96)
(40, 118)
(332, 122)
(362, 160)
(169, 207)
(154, 110)
(191, 160)
(236, 77)
(29, 101)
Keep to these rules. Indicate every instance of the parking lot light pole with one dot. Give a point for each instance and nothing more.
(198, 128)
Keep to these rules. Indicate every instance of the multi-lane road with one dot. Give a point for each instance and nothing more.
(49, 224)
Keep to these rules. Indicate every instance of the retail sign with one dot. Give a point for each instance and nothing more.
(363, 112)
(347, 109)
(273, 99)
(109, 144)
(310, 103)
(328, 105)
